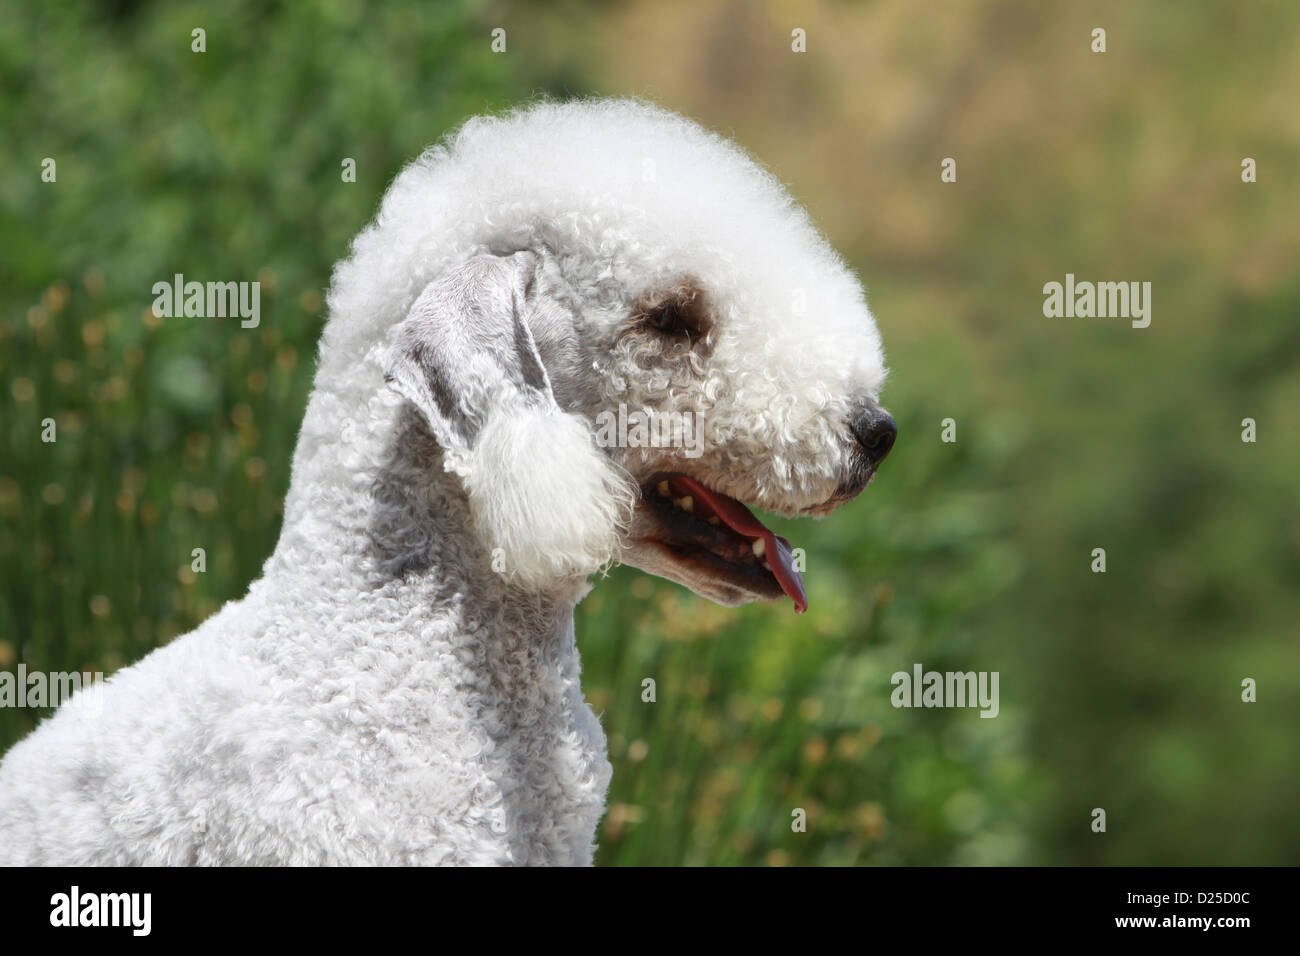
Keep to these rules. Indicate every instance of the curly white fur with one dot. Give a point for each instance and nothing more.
(543, 494)
(402, 684)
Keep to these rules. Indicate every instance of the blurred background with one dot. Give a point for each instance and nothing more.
(1119, 690)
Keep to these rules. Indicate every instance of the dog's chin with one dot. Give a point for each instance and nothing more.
(719, 584)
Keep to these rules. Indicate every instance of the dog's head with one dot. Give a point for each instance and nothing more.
(629, 363)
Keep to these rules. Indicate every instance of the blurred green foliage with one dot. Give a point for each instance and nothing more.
(1119, 691)
(222, 165)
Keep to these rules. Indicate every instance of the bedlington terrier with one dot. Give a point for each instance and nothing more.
(574, 335)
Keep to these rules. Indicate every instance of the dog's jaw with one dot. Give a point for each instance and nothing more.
(712, 544)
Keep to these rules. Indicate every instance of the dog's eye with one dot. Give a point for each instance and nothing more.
(671, 320)
(682, 314)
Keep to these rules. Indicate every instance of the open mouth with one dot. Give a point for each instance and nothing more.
(719, 537)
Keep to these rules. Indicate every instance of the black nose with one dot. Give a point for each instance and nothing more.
(875, 432)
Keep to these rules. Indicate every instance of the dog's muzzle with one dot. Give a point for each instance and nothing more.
(872, 433)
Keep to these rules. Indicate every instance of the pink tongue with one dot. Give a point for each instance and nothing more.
(740, 520)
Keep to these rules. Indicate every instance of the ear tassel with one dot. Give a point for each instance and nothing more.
(542, 492)
(544, 498)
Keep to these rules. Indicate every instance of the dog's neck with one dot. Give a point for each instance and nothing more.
(381, 590)
(389, 522)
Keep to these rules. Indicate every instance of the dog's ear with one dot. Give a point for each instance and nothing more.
(539, 488)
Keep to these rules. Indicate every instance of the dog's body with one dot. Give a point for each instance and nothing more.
(396, 722)
(402, 684)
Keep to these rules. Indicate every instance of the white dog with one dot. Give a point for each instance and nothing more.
(402, 684)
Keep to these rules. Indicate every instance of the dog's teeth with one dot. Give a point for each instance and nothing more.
(687, 504)
(759, 546)
(766, 566)
(663, 489)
